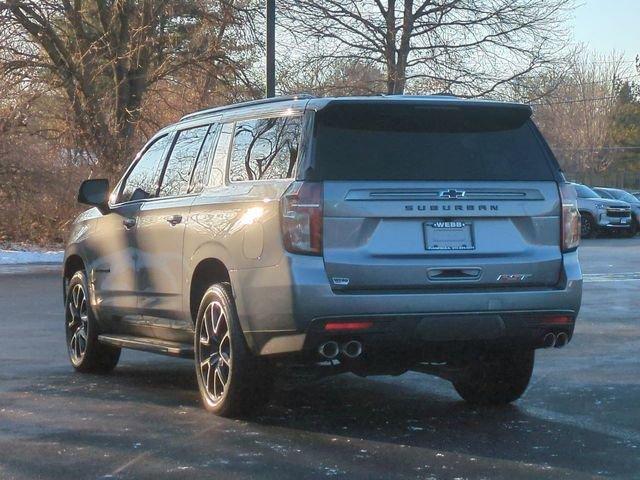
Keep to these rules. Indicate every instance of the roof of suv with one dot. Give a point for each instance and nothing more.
(318, 103)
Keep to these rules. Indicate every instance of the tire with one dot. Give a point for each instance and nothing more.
(498, 378)
(231, 380)
(86, 354)
(588, 227)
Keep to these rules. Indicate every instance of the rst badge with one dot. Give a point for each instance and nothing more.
(513, 277)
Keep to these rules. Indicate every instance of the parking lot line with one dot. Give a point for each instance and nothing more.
(610, 277)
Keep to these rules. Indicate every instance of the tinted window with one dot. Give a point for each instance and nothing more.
(177, 173)
(604, 193)
(221, 155)
(624, 196)
(585, 192)
(202, 163)
(265, 149)
(390, 142)
(142, 181)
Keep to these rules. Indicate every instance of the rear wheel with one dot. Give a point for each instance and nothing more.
(496, 378)
(85, 352)
(231, 380)
(588, 228)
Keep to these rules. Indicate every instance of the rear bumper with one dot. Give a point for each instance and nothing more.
(281, 307)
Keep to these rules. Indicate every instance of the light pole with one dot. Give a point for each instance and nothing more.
(271, 48)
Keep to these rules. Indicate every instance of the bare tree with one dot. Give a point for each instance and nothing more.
(105, 55)
(577, 117)
(470, 47)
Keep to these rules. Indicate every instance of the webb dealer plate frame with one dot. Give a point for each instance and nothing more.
(448, 235)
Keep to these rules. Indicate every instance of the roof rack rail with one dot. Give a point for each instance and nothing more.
(250, 103)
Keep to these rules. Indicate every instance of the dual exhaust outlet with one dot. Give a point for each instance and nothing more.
(555, 340)
(331, 349)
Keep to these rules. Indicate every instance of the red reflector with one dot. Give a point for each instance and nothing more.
(347, 325)
(557, 319)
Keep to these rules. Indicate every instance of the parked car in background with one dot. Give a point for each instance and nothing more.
(373, 235)
(619, 194)
(602, 214)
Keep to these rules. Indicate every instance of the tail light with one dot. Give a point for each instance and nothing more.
(301, 218)
(570, 218)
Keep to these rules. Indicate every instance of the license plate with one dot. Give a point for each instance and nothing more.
(448, 235)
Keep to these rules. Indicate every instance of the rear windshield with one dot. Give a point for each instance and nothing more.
(391, 142)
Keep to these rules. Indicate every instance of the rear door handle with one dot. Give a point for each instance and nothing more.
(174, 220)
(129, 223)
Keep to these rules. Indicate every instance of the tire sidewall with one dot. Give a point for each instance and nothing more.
(238, 352)
(79, 278)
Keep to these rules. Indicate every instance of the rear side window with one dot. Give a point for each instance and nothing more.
(385, 142)
(177, 173)
(265, 149)
(142, 181)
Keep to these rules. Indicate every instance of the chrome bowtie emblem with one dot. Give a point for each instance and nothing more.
(452, 193)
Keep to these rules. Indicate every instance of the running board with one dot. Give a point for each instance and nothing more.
(163, 347)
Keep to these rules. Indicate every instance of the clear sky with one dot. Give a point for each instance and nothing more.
(606, 25)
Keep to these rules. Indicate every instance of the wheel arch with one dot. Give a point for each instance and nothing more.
(72, 264)
(207, 272)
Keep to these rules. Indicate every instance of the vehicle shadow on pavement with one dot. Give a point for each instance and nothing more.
(412, 411)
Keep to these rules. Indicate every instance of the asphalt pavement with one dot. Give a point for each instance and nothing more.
(580, 417)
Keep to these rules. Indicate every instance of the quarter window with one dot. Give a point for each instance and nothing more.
(177, 173)
(265, 149)
(142, 181)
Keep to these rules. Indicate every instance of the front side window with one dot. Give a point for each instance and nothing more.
(177, 173)
(265, 149)
(142, 181)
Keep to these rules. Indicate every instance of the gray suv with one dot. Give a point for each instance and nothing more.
(373, 235)
(599, 214)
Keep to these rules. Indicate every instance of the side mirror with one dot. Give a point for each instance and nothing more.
(95, 193)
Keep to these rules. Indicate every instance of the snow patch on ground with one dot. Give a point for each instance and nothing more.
(21, 257)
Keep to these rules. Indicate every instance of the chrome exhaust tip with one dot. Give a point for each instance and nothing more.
(561, 340)
(549, 340)
(329, 350)
(352, 349)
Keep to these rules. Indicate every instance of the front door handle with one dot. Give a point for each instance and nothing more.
(129, 223)
(174, 220)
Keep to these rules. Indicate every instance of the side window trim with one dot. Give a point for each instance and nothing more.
(227, 173)
(121, 183)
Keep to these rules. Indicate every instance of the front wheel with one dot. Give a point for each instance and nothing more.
(85, 352)
(588, 228)
(231, 380)
(496, 378)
